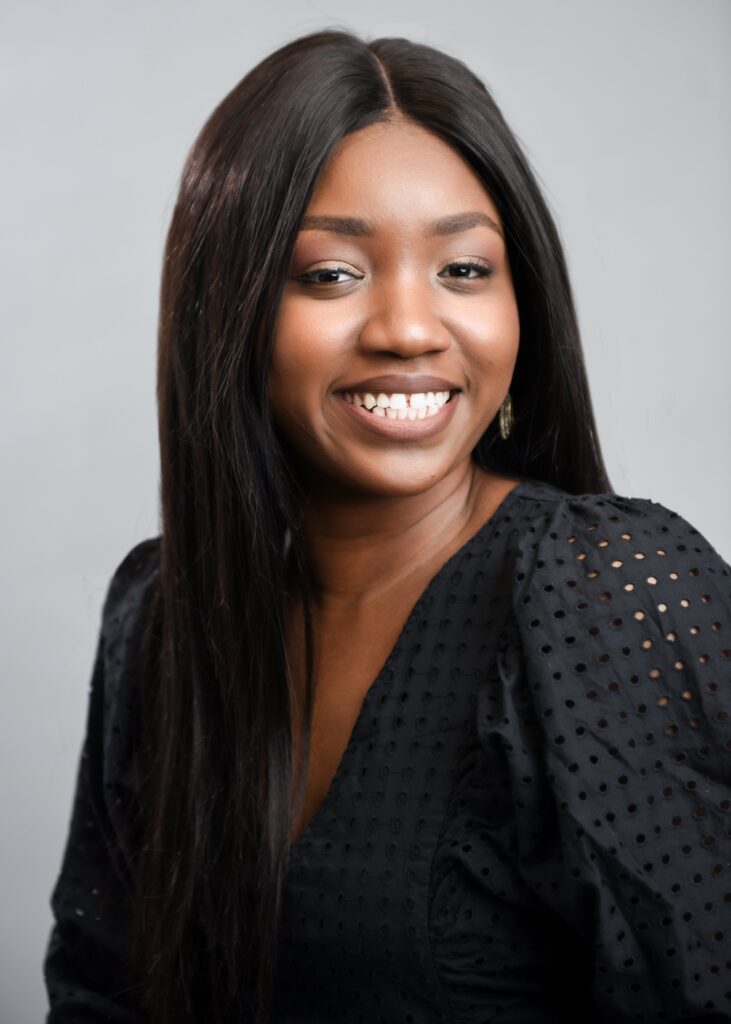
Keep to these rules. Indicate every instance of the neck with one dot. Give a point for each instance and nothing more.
(363, 550)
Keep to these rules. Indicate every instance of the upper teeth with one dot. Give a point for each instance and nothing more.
(410, 405)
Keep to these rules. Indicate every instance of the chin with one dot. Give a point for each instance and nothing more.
(396, 476)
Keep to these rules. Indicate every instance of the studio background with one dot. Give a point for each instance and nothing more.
(623, 111)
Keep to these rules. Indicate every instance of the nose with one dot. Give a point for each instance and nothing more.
(402, 318)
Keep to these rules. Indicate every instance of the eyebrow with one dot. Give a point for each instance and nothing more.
(449, 225)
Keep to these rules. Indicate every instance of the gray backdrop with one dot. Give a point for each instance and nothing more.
(622, 108)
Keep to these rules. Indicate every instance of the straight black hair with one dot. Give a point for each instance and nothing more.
(215, 748)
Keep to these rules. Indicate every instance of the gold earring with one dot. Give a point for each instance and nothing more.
(506, 417)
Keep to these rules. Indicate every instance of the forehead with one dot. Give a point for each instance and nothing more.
(393, 175)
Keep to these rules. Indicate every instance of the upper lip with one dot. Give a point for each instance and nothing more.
(401, 383)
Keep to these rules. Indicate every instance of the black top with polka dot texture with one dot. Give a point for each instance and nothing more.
(531, 822)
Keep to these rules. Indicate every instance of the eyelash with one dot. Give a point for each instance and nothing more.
(485, 272)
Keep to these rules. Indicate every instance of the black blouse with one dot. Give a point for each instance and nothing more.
(531, 820)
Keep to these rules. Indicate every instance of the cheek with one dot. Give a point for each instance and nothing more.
(510, 331)
(306, 337)
(302, 355)
(491, 331)
(292, 355)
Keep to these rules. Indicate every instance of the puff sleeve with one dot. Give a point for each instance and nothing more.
(85, 967)
(611, 703)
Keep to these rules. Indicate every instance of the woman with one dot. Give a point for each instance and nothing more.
(405, 716)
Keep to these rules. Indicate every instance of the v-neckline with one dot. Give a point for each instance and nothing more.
(379, 681)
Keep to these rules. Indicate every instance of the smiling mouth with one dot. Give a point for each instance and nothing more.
(400, 405)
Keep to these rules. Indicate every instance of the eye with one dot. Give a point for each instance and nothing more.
(316, 277)
(311, 276)
(483, 269)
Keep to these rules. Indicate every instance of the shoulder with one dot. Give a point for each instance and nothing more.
(132, 573)
(622, 604)
(131, 579)
(129, 588)
(607, 546)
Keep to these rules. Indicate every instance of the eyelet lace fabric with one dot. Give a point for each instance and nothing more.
(531, 822)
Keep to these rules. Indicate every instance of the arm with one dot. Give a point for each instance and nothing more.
(620, 665)
(86, 968)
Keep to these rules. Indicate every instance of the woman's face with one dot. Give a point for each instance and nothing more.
(393, 295)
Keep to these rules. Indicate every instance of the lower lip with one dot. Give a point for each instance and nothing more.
(403, 430)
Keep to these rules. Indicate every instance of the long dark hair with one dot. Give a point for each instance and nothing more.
(215, 734)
